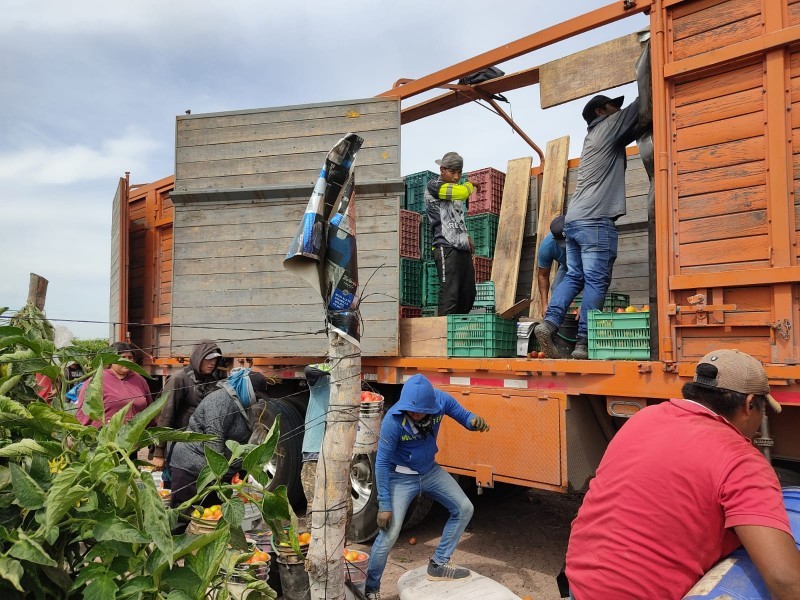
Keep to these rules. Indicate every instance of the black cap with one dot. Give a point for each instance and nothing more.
(557, 228)
(599, 101)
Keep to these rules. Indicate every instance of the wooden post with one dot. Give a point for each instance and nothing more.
(325, 563)
(37, 290)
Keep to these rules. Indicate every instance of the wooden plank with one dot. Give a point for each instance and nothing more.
(721, 155)
(601, 67)
(694, 348)
(743, 266)
(794, 14)
(554, 185)
(728, 251)
(724, 178)
(721, 203)
(724, 130)
(715, 109)
(713, 16)
(505, 266)
(720, 85)
(719, 37)
(723, 227)
(423, 337)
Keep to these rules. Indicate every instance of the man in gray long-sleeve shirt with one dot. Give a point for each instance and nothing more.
(591, 231)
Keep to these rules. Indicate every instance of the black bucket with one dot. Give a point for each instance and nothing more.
(294, 579)
(566, 335)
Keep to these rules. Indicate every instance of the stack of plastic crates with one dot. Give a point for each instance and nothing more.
(410, 312)
(619, 336)
(415, 190)
(483, 231)
(409, 234)
(425, 239)
(481, 335)
(484, 298)
(487, 199)
(483, 269)
(430, 284)
(410, 282)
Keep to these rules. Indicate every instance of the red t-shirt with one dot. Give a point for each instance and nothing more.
(672, 484)
(117, 393)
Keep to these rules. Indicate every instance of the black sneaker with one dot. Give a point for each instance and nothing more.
(544, 333)
(581, 351)
(446, 571)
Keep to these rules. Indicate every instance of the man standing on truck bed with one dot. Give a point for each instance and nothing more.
(590, 222)
(680, 487)
(405, 466)
(446, 205)
(185, 389)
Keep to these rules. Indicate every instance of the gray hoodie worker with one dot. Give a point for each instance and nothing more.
(186, 389)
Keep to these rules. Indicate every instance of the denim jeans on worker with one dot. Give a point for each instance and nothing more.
(591, 252)
(437, 484)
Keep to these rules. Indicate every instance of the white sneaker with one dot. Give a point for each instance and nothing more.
(376, 595)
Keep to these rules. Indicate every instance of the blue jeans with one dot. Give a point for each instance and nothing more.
(439, 485)
(591, 252)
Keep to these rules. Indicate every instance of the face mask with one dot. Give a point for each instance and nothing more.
(424, 425)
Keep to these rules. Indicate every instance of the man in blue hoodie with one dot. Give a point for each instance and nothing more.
(405, 467)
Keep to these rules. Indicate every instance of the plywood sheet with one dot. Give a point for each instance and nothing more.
(587, 72)
(510, 228)
(423, 337)
(554, 189)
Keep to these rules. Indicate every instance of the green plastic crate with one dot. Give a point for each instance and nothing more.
(483, 231)
(430, 284)
(429, 311)
(619, 336)
(415, 190)
(612, 303)
(482, 336)
(484, 295)
(425, 240)
(410, 282)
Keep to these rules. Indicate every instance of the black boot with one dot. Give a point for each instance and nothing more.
(544, 332)
(581, 351)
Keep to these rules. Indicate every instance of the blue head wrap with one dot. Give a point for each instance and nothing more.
(239, 380)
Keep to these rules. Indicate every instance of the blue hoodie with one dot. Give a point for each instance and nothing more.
(400, 442)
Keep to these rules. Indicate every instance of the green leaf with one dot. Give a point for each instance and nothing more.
(165, 434)
(29, 549)
(110, 430)
(255, 460)
(178, 595)
(207, 560)
(275, 505)
(40, 469)
(28, 493)
(130, 435)
(12, 407)
(238, 449)
(8, 330)
(156, 521)
(63, 495)
(11, 571)
(238, 540)
(114, 528)
(233, 511)
(25, 447)
(217, 462)
(182, 578)
(93, 401)
(205, 478)
(102, 587)
(138, 585)
(6, 383)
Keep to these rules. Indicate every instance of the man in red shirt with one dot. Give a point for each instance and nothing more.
(680, 487)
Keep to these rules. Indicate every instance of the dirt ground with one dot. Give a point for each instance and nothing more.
(517, 537)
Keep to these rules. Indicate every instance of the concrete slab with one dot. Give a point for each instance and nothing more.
(414, 585)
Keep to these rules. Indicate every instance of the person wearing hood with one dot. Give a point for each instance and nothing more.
(184, 390)
(227, 413)
(405, 466)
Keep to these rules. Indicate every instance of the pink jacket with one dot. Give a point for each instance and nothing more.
(116, 394)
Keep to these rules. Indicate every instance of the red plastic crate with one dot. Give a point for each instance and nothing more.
(410, 312)
(409, 234)
(483, 269)
(489, 197)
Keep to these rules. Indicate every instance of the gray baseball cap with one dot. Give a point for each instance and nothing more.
(451, 160)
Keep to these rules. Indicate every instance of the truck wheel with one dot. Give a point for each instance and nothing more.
(284, 468)
(365, 501)
(787, 477)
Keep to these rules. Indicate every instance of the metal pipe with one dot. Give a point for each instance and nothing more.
(764, 442)
(514, 126)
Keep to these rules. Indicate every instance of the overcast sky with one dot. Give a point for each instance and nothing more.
(90, 89)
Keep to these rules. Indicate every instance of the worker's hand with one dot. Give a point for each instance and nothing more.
(478, 424)
(384, 518)
(476, 185)
(471, 245)
(157, 462)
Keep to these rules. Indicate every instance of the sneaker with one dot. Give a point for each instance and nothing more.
(373, 595)
(544, 333)
(581, 351)
(448, 570)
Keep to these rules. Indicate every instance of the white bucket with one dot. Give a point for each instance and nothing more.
(369, 427)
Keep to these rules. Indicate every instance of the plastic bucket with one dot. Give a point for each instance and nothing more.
(294, 579)
(568, 330)
(369, 427)
(737, 572)
(356, 571)
(263, 541)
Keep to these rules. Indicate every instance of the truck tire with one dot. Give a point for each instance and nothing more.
(284, 468)
(365, 501)
(787, 477)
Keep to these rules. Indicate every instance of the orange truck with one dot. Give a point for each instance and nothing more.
(713, 250)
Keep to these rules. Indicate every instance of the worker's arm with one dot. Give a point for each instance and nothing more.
(775, 556)
(543, 280)
(450, 191)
